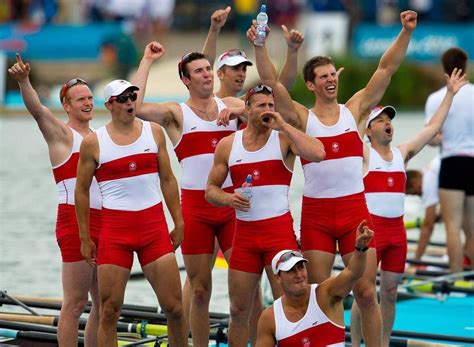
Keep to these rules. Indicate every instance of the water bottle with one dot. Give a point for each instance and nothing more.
(262, 21)
(246, 190)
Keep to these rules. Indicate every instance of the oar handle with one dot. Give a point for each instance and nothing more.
(27, 318)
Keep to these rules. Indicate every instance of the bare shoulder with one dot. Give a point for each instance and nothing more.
(231, 101)
(90, 142)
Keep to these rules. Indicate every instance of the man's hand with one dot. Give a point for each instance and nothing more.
(294, 39)
(19, 71)
(363, 235)
(455, 81)
(252, 31)
(238, 202)
(408, 19)
(177, 236)
(273, 120)
(154, 51)
(89, 252)
(218, 18)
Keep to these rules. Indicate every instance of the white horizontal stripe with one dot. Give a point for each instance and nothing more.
(195, 172)
(266, 202)
(131, 193)
(333, 178)
(390, 205)
(66, 193)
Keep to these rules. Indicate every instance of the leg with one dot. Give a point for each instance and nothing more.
(319, 265)
(452, 202)
(241, 292)
(169, 295)
(277, 290)
(365, 295)
(426, 231)
(112, 281)
(198, 268)
(468, 227)
(92, 326)
(388, 297)
(77, 279)
(356, 325)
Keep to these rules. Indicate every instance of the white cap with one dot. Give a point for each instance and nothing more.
(376, 111)
(232, 57)
(294, 257)
(117, 87)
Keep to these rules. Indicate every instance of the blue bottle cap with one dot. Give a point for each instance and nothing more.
(263, 8)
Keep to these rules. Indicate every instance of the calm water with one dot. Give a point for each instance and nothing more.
(29, 256)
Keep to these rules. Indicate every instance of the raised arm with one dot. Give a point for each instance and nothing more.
(340, 286)
(169, 187)
(218, 20)
(85, 172)
(370, 96)
(53, 129)
(162, 113)
(219, 171)
(291, 111)
(410, 148)
(294, 39)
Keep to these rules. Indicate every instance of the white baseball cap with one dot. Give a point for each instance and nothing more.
(286, 259)
(117, 87)
(232, 57)
(376, 111)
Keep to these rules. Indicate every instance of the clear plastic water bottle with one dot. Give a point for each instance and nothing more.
(262, 21)
(246, 190)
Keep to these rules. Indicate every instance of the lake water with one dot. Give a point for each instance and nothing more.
(30, 262)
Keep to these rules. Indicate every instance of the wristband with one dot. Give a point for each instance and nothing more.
(363, 249)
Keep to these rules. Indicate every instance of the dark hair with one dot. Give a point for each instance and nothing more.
(411, 176)
(308, 69)
(185, 60)
(454, 58)
(258, 89)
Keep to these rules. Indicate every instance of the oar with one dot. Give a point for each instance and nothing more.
(139, 275)
(452, 276)
(431, 263)
(431, 243)
(5, 294)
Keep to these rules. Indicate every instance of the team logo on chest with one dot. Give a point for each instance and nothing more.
(335, 147)
(256, 175)
(214, 142)
(132, 166)
(390, 181)
(305, 342)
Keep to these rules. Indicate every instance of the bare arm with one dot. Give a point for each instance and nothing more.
(294, 39)
(85, 172)
(218, 20)
(410, 148)
(169, 187)
(370, 96)
(339, 287)
(53, 129)
(266, 329)
(214, 193)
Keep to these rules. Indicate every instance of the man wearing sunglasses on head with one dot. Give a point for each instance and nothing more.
(63, 140)
(231, 66)
(265, 150)
(310, 314)
(333, 193)
(130, 161)
(194, 130)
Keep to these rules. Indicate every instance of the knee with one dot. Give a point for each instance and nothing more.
(365, 296)
(239, 312)
(201, 295)
(109, 312)
(75, 307)
(389, 295)
(173, 310)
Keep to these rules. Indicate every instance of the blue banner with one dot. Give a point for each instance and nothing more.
(429, 41)
(56, 41)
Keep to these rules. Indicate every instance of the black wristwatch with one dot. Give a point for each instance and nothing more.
(364, 249)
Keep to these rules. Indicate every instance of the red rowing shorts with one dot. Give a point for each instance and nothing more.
(391, 243)
(204, 222)
(255, 243)
(67, 232)
(125, 232)
(325, 222)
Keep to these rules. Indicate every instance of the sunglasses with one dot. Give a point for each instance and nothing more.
(287, 256)
(184, 60)
(258, 89)
(233, 53)
(122, 99)
(69, 84)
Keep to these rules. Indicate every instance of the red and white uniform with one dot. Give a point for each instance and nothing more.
(195, 151)
(267, 227)
(385, 193)
(133, 218)
(333, 199)
(67, 231)
(313, 330)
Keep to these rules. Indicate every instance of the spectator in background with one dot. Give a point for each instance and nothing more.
(119, 53)
(284, 12)
(245, 11)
